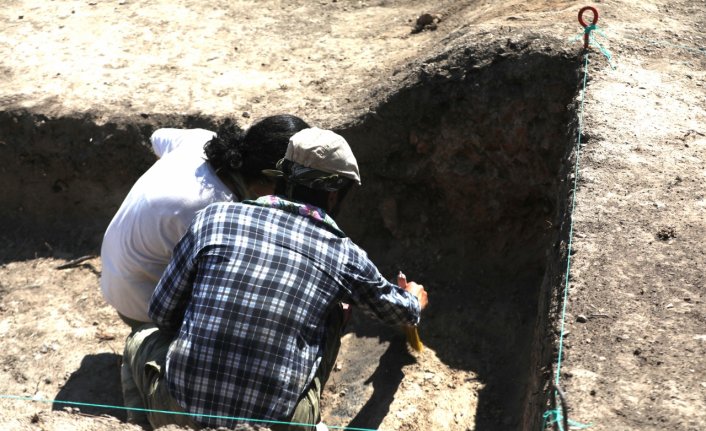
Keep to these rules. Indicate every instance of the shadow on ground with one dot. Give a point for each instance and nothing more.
(483, 324)
(385, 380)
(93, 387)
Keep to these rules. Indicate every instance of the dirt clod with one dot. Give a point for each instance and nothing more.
(666, 233)
(426, 21)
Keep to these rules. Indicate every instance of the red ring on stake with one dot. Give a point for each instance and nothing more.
(583, 23)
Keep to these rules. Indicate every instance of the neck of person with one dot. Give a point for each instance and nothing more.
(231, 182)
(246, 188)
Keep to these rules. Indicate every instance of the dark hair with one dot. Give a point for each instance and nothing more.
(257, 148)
(318, 198)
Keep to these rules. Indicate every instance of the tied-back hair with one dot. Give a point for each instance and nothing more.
(257, 148)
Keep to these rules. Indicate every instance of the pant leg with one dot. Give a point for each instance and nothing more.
(145, 357)
(132, 396)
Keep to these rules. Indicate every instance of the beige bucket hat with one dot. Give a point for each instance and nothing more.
(324, 151)
(317, 158)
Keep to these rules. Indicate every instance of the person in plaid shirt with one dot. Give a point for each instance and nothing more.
(248, 314)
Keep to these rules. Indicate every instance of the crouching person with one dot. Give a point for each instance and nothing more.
(248, 313)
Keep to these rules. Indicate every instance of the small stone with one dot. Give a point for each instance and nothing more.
(581, 318)
(666, 233)
(246, 114)
(426, 21)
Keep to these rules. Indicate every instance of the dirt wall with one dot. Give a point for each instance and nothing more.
(464, 169)
(68, 176)
(466, 172)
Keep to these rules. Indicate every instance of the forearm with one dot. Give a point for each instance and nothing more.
(398, 307)
(383, 299)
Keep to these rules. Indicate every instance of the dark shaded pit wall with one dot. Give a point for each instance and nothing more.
(465, 171)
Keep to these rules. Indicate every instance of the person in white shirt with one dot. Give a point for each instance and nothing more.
(196, 167)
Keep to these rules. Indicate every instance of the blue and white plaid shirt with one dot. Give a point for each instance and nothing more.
(247, 294)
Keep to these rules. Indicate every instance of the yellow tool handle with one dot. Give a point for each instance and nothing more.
(410, 331)
(413, 338)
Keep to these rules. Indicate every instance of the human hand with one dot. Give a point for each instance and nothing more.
(413, 288)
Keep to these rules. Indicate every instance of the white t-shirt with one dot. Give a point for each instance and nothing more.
(138, 243)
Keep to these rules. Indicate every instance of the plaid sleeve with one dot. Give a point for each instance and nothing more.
(170, 298)
(376, 295)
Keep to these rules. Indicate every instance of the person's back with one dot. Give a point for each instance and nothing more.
(139, 240)
(286, 272)
(196, 167)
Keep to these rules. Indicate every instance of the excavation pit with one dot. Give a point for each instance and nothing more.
(465, 171)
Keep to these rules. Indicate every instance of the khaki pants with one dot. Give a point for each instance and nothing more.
(144, 385)
(142, 376)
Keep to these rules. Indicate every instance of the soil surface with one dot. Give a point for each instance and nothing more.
(634, 329)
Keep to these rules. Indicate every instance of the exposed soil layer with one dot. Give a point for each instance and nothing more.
(465, 129)
(75, 172)
(465, 165)
(474, 147)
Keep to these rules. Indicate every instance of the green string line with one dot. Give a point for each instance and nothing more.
(593, 41)
(555, 416)
(552, 417)
(571, 224)
(169, 412)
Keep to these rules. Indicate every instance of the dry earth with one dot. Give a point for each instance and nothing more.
(635, 333)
